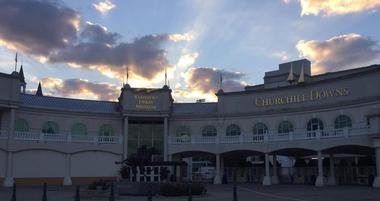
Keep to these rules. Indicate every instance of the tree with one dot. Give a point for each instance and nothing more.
(137, 161)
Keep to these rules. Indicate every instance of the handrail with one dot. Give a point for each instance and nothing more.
(3, 134)
(272, 136)
(65, 138)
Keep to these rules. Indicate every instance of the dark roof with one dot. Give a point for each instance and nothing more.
(315, 79)
(194, 108)
(68, 103)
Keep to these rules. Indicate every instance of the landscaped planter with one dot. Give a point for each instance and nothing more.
(136, 188)
(97, 194)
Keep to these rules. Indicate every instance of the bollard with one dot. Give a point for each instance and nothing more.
(77, 193)
(234, 193)
(44, 197)
(190, 196)
(112, 195)
(149, 193)
(14, 192)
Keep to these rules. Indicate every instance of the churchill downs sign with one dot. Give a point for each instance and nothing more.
(313, 95)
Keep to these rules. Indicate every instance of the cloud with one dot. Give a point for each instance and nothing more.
(37, 27)
(283, 55)
(339, 52)
(336, 7)
(78, 88)
(51, 33)
(181, 37)
(98, 34)
(207, 80)
(104, 6)
(144, 56)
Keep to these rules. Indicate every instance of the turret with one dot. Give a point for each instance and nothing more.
(39, 90)
(22, 80)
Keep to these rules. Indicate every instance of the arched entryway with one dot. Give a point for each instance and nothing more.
(294, 166)
(244, 166)
(349, 165)
(201, 166)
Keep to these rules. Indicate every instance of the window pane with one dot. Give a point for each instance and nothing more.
(79, 129)
(343, 121)
(21, 125)
(50, 127)
(233, 130)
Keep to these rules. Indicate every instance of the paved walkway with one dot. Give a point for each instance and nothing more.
(246, 192)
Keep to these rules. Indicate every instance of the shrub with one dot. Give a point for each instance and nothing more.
(180, 189)
(101, 183)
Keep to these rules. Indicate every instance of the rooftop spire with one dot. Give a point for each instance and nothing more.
(127, 73)
(220, 83)
(21, 74)
(39, 90)
(166, 76)
(301, 79)
(291, 76)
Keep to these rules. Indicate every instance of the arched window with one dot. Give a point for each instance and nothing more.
(209, 130)
(233, 130)
(79, 129)
(21, 125)
(343, 121)
(314, 124)
(50, 127)
(285, 127)
(183, 131)
(106, 130)
(260, 129)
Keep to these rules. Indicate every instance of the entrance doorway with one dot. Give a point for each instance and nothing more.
(149, 132)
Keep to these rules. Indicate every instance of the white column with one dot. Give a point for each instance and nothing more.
(320, 180)
(275, 179)
(67, 180)
(125, 138)
(166, 142)
(331, 179)
(8, 180)
(217, 179)
(267, 178)
(11, 126)
(221, 166)
(376, 182)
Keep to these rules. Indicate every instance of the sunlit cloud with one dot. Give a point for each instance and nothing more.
(207, 80)
(59, 24)
(339, 52)
(79, 88)
(104, 6)
(336, 7)
(181, 37)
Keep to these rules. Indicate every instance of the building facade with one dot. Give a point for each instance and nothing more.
(294, 128)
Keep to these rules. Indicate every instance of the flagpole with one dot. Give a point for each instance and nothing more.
(16, 63)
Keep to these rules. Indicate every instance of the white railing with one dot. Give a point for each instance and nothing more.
(47, 137)
(3, 134)
(109, 140)
(272, 137)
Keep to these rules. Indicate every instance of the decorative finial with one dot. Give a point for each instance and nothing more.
(291, 76)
